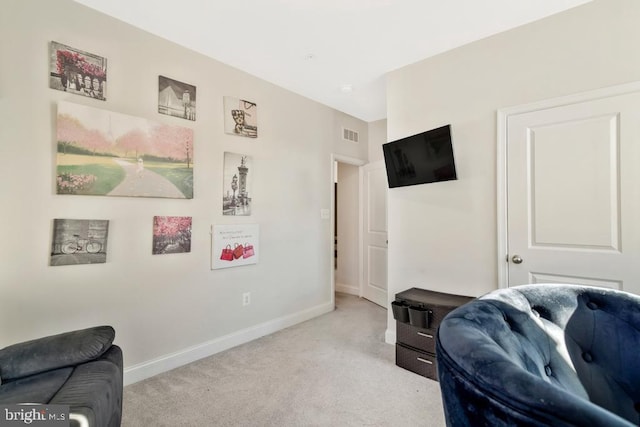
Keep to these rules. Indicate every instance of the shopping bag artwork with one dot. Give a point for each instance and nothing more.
(234, 245)
(238, 251)
(248, 251)
(227, 254)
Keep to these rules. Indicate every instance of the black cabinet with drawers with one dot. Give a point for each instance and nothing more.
(418, 312)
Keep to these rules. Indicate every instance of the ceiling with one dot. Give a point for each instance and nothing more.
(335, 52)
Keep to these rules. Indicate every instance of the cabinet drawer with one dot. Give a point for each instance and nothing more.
(415, 361)
(421, 339)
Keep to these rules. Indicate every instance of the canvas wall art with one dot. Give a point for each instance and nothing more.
(236, 194)
(240, 117)
(103, 153)
(234, 245)
(79, 241)
(78, 72)
(171, 234)
(176, 98)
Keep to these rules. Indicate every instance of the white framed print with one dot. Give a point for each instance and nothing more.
(240, 117)
(234, 245)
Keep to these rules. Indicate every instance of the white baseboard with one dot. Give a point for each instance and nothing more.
(165, 363)
(347, 289)
(390, 336)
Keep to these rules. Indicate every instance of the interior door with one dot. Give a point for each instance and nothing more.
(573, 194)
(374, 189)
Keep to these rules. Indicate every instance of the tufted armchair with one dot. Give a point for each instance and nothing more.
(542, 355)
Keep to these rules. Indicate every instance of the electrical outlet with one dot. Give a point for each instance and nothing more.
(246, 298)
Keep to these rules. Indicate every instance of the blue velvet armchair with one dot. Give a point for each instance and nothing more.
(542, 355)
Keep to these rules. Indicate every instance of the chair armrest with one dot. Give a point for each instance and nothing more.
(53, 352)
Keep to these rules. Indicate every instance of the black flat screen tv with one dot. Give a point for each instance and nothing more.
(420, 159)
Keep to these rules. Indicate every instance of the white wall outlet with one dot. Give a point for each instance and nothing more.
(246, 298)
(325, 213)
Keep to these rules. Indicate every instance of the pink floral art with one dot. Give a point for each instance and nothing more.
(171, 234)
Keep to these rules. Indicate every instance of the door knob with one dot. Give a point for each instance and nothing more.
(516, 259)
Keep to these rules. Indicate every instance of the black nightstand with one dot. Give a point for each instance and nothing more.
(418, 312)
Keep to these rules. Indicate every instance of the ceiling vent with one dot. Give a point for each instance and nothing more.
(350, 135)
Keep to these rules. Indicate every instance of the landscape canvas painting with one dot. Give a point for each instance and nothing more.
(176, 98)
(171, 234)
(236, 194)
(240, 117)
(78, 72)
(79, 241)
(103, 153)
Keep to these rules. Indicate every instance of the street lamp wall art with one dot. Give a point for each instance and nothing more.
(176, 99)
(104, 153)
(240, 117)
(236, 194)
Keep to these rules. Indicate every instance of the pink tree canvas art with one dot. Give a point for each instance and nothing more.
(104, 153)
(171, 234)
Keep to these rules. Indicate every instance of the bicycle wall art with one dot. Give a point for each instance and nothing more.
(103, 153)
(79, 241)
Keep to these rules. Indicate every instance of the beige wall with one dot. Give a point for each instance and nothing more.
(166, 309)
(443, 236)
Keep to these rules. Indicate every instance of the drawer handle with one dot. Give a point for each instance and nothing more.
(428, 362)
(422, 334)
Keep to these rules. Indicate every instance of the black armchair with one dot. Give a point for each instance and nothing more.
(81, 369)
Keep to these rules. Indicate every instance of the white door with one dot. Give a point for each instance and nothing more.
(374, 189)
(573, 193)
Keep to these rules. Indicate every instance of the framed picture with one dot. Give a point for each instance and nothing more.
(236, 194)
(240, 117)
(78, 72)
(234, 245)
(176, 99)
(171, 234)
(103, 153)
(79, 241)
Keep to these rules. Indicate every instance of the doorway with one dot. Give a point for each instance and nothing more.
(343, 248)
(358, 238)
(346, 226)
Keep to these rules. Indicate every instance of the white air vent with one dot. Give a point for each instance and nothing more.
(349, 135)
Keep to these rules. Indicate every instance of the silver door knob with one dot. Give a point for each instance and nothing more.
(516, 259)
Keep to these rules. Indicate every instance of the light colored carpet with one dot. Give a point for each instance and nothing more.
(334, 370)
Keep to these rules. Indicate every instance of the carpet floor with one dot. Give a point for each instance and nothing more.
(334, 370)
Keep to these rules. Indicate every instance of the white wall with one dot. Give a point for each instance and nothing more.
(443, 236)
(377, 137)
(166, 309)
(348, 216)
